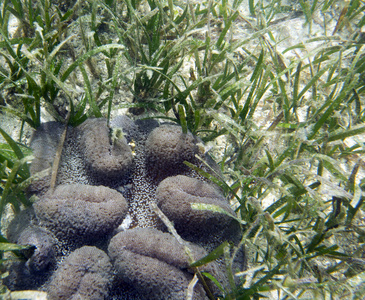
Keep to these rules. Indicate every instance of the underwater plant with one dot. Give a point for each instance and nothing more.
(275, 89)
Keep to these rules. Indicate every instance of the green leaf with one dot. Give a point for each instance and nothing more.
(182, 118)
(342, 134)
(226, 28)
(89, 93)
(213, 279)
(258, 67)
(80, 60)
(12, 144)
(316, 240)
(259, 285)
(296, 86)
(215, 209)
(13, 247)
(270, 160)
(216, 253)
(314, 79)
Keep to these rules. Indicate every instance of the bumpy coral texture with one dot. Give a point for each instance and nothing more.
(80, 212)
(104, 156)
(31, 273)
(155, 263)
(44, 254)
(176, 194)
(167, 147)
(85, 274)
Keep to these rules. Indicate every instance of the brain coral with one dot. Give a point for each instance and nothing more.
(167, 147)
(105, 156)
(81, 213)
(155, 263)
(176, 194)
(100, 181)
(85, 274)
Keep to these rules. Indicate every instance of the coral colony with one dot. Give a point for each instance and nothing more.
(96, 235)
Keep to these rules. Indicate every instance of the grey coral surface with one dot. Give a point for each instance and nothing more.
(45, 247)
(85, 274)
(81, 212)
(167, 147)
(33, 272)
(155, 263)
(108, 176)
(105, 157)
(174, 197)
